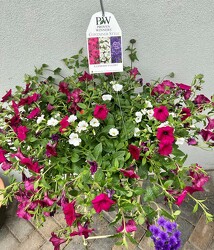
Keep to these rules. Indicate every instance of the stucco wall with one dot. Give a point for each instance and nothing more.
(172, 35)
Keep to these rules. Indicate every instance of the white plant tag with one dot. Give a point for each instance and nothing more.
(104, 44)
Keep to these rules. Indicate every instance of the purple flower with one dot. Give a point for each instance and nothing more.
(192, 141)
(55, 137)
(93, 166)
(110, 192)
(154, 230)
(161, 221)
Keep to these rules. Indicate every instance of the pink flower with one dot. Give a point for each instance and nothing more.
(6, 165)
(2, 153)
(75, 96)
(102, 202)
(161, 113)
(210, 124)
(22, 132)
(201, 99)
(101, 112)
(129, 173)
(27, 89)
(134, 151)
(22, 211)
(198, 178)
(69, 212)
(192, 141)
(64, 124)
(207, 135)
(6, 96)
(82, 230)
(134, 72)
(163, 88)
(165, 135)
(34, 113)
(165, 149)
(29, 100)
(33, 166)
(51, 149)
(14, 122)
(130, 226)
(86, 77)
(15, 107)
(186, 89)
(47, 200)
(108, 74)
(185, 113)
(50, 107)
(63, 88)
(181, 197)
(56, 241)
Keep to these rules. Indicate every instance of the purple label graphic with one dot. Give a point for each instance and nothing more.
(116, 50)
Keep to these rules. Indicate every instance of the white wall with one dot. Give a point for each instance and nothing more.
(172, 35)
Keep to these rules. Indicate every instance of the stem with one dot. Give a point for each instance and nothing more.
(99, 237)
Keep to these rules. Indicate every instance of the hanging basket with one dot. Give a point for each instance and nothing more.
(2, 208)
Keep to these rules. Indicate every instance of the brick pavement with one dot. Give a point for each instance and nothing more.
(18, 234)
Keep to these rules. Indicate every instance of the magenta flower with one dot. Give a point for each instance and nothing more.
(198, 178)
(2, 155)
(51, 149)
(82, 230)
(33, 166)
(56, 241)
(6, 165)
(207, 135)
(47, 200)
(93, 166)
(134, 151)
(64, 124)
(210, 124)
(101, 112)
(6, 96)
(163, 88)
(85, 77)
(22, 132)
(15, 107)
(69, 212)
(130, 226)
(201, 99)
(22, 211)
(102, 202)
(29, 100)
(165, 135)
(27, 89)
(164, 149)
(161, 113)
(186, 89)
(50, 107)
(134, 72)
(181, 197)
(185, 113)
(129, 173)
(34, 113)
(192, 141)
(63, 88)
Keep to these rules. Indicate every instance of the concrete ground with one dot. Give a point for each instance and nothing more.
(18, 234)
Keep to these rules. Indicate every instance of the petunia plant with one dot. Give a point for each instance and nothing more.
(91, 144)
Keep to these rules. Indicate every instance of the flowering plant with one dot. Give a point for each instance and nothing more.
(89, 145)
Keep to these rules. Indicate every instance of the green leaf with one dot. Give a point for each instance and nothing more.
(195, 209)
(177, 212)
(99, 175)
(57, 71)
(166, 214)
(98, 150)
(44, 65)
(168, 183)
(82, 105)
(74, 157)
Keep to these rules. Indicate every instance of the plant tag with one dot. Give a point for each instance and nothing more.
(104, 44)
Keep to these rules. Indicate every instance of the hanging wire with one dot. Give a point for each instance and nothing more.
(102, 7)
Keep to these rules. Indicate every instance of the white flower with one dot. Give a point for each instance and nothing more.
(72, 118)
(164, 124)
(172, 114)
(144, 111)
(106, 97)
(40, 119)
(148, 104)
(57, 115)
(74, 139)
(136, 132)
(52, 122)
(150, 113)
(180, 141)
(138, 114)
(113, 82)
(113, 132)
(117, 87)
(138, 119)
(82, 126)
(94, 122)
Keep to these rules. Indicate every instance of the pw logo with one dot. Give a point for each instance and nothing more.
(103, 20)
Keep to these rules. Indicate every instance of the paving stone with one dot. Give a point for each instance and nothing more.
(59, 217)
(7, 240)
(48, 227)
(47, 246)
(186, 229)
(202, 235)
(146, 244)
(131, 246)
(12, 208)
(76, 244)
(33, 242)
(189, 246)
(139, 233)
(19, 227)
(211, 246)
(101, 226)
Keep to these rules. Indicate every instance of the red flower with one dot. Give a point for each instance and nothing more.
(64, 124)
(134, 151)
(85, 77)
(130, 226)
(102, 202)
(69, 212)
(56, 241)
(161, 113)
(165, 135)
(101, 112)
(210, 124)
(7, 96)
(22, 132)
(108, 73)
(27, 89)
(34, 113)
(82, 230)
(33, 166)
(134, 72)
(29, 100)
(63, 87)
(15, 107)
(201, 99)
(51, 149)
(207, 135)
(185, 113)
(165, 149)
(129, 173)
